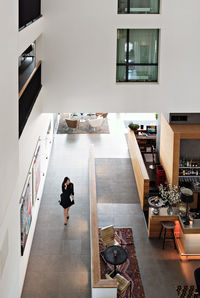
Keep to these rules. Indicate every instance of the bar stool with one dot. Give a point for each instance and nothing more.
(167, 225)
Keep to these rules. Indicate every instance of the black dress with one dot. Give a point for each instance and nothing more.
(65, 196)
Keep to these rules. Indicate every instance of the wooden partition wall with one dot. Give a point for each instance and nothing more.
(100, 287)
(170, 138)
(168, 149)
(141, 175)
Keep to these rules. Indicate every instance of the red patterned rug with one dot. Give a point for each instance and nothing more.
(130, 269)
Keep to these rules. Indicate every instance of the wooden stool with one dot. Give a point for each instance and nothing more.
(167, 225)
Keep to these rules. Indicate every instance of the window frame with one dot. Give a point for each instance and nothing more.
(129, 9)
(127, 64)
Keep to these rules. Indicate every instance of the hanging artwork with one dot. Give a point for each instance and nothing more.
(25, 213)
(36, 172)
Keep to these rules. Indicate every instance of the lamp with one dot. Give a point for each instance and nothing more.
(186, 197)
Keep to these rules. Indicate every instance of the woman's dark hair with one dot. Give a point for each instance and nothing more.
(65, 180)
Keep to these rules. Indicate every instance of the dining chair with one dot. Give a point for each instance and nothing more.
(73, 124)
(95, 123)
(104, 115)
(122, 282)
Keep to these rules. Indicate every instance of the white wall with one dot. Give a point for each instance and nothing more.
(104, 293)
(29, 34)
(36, 127)
(15, 155)
(9, 231)
(8, 104)
(15, 266)
(80, 58)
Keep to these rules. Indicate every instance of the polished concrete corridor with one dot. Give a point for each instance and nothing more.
(59, 265)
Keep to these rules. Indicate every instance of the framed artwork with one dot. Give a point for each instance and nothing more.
(25, 213)
(36, 173)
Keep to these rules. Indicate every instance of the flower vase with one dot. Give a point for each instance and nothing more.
(170, 210)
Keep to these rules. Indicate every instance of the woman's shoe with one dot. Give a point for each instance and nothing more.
(67, 217)
(65, 224)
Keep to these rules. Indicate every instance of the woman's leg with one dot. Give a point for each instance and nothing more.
(68, 212)
(65, 215)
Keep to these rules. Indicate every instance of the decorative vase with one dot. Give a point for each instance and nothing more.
(170, 210)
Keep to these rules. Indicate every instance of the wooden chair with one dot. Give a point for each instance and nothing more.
(122, 282)
(108, 235)
(95, 123)
(104, 115)
(72, 123)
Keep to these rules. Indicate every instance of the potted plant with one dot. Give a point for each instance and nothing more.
(170, 194)
(133, 127)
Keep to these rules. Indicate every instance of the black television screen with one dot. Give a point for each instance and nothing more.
(28, 11)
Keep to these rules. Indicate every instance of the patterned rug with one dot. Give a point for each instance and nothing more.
(83, 127)
(130, 269)
(186, 291)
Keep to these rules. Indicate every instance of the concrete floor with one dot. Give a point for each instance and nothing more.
(59, 264)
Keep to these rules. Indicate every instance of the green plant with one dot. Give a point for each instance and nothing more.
(156, 116)
(133, 126)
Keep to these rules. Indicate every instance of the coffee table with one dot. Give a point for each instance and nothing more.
(115, 255)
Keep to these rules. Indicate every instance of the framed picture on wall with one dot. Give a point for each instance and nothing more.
(26, 213)
(36, 172)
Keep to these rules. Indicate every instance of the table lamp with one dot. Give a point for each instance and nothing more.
(186, 197)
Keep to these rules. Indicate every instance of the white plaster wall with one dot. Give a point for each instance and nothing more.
(8, 103)
(104, 293)
(15, 265)
(36, 127)
(80, 58)
(29, 34)
(10, 274)
(15, 155)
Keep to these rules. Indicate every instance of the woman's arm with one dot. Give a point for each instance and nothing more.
(64, 187)
(72, 189)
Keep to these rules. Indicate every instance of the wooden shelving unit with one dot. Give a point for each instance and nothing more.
(145, 143)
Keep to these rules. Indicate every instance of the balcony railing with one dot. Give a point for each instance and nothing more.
(28, 96)
(29, 11)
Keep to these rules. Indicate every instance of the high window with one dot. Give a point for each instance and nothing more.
(137, 55)
(138, 6)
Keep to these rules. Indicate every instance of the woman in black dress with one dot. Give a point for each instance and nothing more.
(67, 199)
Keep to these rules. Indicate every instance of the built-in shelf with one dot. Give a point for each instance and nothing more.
(189, 167)
(189, 176)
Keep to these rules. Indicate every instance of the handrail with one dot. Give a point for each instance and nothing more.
(29, 79)
(96, 280)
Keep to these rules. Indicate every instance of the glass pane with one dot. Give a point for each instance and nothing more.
(121, 45)
(143, 73)
(122, 6)
(143, 46)
(139, 6)
(121, 73)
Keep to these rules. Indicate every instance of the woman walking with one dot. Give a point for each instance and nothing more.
(67, 197)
